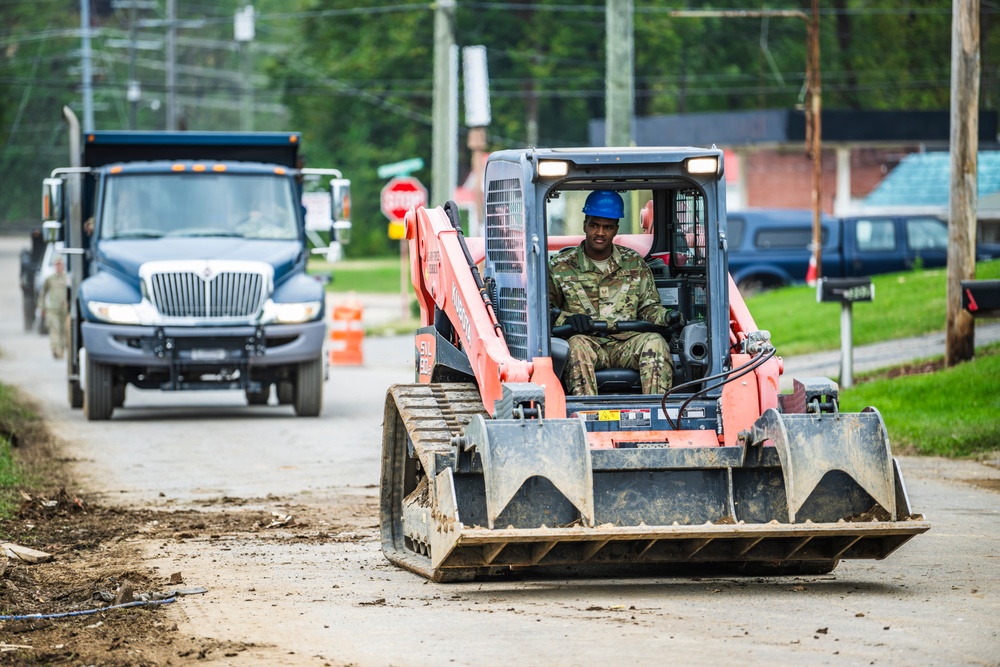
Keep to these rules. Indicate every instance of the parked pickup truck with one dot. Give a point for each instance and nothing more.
(770, 248)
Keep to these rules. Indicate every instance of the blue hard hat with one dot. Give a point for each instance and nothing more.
(604, 204)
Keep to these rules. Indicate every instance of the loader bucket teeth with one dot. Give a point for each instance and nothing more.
(812, 445)
(515, 450)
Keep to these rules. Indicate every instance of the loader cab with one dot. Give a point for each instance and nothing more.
(666, 226)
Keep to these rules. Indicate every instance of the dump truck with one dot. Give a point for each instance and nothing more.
(187, 261)
(490, 466)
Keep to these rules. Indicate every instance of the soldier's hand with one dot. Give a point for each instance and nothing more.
(675, 320)
(580, 322)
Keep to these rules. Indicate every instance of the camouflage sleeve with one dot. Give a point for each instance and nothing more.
(555, 294)
(650, 308)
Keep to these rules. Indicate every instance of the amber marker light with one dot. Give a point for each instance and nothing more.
(177, 167)
(218, 167)
(280, 171)
(198, 167)
(116, 170)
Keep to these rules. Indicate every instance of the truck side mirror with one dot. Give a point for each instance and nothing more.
(340, 209)
(51, 231)
(52, 200)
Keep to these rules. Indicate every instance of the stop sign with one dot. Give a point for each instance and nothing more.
(400, 195)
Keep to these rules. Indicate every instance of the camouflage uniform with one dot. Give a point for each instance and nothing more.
(626, 292)
(53, 299)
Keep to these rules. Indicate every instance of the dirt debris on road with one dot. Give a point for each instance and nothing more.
(97, 561)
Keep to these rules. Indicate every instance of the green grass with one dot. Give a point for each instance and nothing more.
(949, 412)
(905, 304)
(372, 276)
(13, 475)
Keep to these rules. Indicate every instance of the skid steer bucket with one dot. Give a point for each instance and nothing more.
(461, 495)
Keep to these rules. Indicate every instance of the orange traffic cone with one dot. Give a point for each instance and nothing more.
(811, 272)
(347, 334)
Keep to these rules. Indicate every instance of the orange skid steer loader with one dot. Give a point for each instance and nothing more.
(490, 465)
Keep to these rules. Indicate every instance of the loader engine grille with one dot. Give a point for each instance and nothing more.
(514, 305)
(505, 252)
(505, 226)
(208, 292)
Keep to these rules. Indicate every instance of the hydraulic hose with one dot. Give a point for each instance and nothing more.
(756, 362)
(451, 210)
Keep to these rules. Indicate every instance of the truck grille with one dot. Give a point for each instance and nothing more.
(224, 295)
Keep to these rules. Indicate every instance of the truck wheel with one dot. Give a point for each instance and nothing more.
(28, 307)
(73, 390)
(286, 392)
(118, 395)
(309, 388)
(75, 394)
(98, 397)
(258, 397)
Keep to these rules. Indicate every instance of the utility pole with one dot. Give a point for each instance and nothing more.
(619, 80)
(445, 146)
(88, 79)
(960, 342)
(814, 143)
(133, 92)
(243, 31)
(477, 118)
(171, 63)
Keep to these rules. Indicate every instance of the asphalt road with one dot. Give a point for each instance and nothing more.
(935, 602)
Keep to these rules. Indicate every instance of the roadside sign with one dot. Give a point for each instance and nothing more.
(845, 290)
(403, 168)
(981, 297)
(400, 195)
(397, 230)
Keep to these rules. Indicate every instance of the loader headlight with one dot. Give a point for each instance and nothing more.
(702, 165)
(115, 313)
(552, 168)
(291, 313)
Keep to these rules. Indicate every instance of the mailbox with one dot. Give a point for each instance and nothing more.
(845, 290)
(981, 297)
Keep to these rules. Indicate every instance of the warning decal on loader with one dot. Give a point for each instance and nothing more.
(634, 419)
(625, 418)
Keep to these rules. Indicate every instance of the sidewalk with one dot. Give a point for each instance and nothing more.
(877, 355)
(383, 308)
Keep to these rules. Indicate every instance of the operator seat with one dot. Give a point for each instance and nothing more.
(609, 380)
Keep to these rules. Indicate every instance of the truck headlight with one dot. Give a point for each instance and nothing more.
(292, 313)
(115, 313)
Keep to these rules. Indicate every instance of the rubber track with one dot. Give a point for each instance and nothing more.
(434, 413)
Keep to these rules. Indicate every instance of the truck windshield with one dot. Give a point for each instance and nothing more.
(254, 206)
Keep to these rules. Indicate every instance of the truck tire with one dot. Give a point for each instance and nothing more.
(118, 395)
(74, 394)
(258, 397)
(286, 392)
(309, 388)
(98, 397)
(73, 391)
(28, 306)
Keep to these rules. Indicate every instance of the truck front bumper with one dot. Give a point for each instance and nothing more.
(203, 347)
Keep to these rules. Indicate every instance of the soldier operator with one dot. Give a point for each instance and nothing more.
(599, 280)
